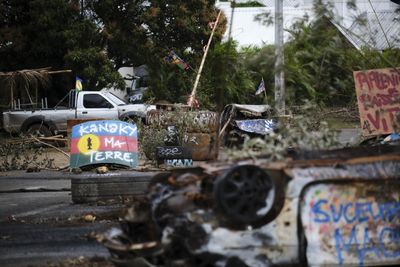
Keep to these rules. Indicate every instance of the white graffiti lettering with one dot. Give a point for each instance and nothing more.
(99, 156)
(112, 128)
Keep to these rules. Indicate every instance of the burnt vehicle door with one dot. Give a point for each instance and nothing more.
(238, 121)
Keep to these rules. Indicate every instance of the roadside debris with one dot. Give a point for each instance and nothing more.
(238, 121)
(22, 154)
(102, 170)
(259, 213)
(89, 218)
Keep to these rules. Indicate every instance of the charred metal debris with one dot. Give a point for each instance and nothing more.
(245, 213)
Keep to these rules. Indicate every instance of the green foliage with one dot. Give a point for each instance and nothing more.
(151, 137)
(143, 32)
(42, 33)
(260, 64)
(319, 61)
(226, 78)
(107, 34)
(94, 67)
(317, 64)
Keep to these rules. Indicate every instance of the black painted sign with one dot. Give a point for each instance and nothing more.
(173, 152)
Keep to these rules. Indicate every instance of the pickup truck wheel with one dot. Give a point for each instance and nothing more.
(131, 119)
(38, 130)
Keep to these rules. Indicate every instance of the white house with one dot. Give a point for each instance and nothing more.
(379, 31)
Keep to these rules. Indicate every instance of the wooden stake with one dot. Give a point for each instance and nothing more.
(193, 94)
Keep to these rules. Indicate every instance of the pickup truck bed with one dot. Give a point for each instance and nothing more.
(84, 105)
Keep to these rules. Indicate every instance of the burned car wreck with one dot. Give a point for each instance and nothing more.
(238, 121)
(326, 208)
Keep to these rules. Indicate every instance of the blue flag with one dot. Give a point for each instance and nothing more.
(261, 87)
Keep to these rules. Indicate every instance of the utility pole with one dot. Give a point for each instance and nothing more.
(233, 4)
(279, 73)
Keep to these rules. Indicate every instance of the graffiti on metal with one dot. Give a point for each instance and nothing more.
(199, 121)
(171, 138)
(354, 223)
(178, 162)
(378, 95)
(106, 141)
(259, 126)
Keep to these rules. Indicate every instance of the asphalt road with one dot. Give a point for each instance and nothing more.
(40, 225)
(24, 244)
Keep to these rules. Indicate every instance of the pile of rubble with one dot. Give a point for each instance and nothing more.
(182, 224)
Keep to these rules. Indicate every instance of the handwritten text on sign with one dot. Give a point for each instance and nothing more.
(378, 95)
(97, 142)
(355, 223)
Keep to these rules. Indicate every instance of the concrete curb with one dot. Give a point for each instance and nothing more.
(44, 174)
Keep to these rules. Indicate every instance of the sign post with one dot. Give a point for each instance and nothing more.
(378, 96)
(105, 141)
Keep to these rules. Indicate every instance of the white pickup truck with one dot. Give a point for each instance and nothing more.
(81, 105)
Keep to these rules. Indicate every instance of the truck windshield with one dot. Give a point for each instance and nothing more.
(116, 99)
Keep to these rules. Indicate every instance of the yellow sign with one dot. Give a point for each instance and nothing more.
(88, 143)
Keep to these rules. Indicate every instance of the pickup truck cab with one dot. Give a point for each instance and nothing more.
(80, 105)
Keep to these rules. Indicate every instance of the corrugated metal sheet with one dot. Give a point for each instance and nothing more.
(380, 31)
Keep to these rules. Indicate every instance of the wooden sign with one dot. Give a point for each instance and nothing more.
(378, 96)
(105, 141)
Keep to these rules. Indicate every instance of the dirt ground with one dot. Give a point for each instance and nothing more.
(60, 159)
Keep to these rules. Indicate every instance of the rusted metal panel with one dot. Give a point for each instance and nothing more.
(352, 224)
(343, 154)
(204, 146)
(373, 170)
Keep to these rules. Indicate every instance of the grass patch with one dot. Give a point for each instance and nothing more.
(336, 123)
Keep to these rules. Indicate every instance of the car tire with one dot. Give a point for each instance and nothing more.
(241, 193)
(39, 130)
(87, 188)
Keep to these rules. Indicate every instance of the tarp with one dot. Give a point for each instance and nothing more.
(260, 126)
(252, 108)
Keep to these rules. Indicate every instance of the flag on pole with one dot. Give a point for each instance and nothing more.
(78, 84)
(173, 58)
(261, 87)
